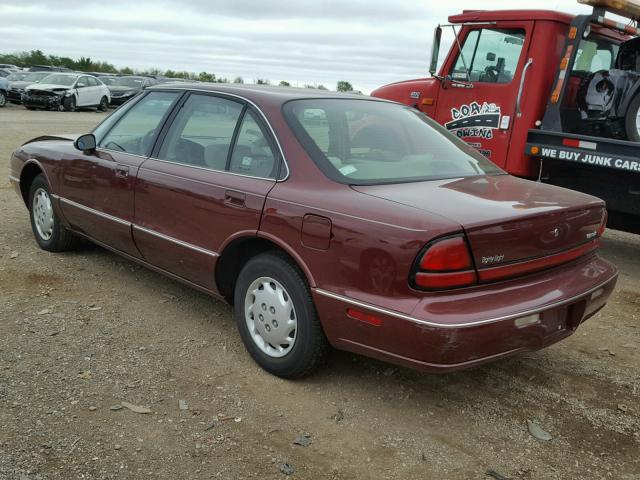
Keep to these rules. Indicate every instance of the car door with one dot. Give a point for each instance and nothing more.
(477, 101)
(95, 94)
(98, 187)
(83, 91)
(205, 183)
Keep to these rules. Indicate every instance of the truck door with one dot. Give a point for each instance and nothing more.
(478, 99)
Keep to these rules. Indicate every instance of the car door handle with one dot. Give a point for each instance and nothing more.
(234, 199)
(122, 171)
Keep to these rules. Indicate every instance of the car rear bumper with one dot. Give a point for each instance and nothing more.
(453, 331)
(119, 100)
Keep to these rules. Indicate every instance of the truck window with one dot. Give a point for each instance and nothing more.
(491, 55)
(595, 55)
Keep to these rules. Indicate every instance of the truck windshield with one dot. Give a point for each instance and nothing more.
(365, 142)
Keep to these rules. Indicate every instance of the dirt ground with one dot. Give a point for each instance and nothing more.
(83, 332)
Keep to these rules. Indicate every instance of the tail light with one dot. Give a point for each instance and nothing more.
(603, 223)
(444, 263)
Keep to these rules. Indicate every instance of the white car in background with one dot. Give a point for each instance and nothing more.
(67, 91)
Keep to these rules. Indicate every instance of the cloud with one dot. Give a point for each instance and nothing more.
(368, 43)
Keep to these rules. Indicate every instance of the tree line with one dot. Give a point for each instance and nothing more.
(86, 64)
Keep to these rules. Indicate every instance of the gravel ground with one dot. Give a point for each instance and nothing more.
(82, 334)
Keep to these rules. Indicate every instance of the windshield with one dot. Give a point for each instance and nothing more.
(16, 76)
(59, 79)
(127, 82)
(370, 142)
(35, 76)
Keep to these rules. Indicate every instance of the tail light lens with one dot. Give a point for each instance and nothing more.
(603, 224)
(444, 263)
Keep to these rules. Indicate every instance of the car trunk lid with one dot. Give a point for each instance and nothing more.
(508, 221)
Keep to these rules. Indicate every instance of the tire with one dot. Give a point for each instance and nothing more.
(3, 99)
(104, 104)
(632, 120)
(69, 104)
(50, 234)
(303, 350)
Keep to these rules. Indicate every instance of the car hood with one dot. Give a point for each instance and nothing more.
(20, 84)
(57, 137)
(48, 87)
(503, 216)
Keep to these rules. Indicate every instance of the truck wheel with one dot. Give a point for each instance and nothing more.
(277, 318)
(632, 120)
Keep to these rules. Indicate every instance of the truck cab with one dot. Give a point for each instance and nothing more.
(513, 74)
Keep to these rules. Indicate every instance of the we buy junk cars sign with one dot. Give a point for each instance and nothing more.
(571, 155)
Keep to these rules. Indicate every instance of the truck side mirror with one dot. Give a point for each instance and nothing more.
(435, 50)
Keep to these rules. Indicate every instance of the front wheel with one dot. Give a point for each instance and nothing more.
(632, 120)
(104, 104)
(69, 103)
(49, 233)
(3, 98)
(277, 318)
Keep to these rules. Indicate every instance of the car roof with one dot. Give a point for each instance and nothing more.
(507, 15)
(258, 93)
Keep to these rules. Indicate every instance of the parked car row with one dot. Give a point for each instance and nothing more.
(44, 88)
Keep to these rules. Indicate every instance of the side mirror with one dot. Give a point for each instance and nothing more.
(435, 50)
(85, 143)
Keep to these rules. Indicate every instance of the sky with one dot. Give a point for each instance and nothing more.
(366, 42)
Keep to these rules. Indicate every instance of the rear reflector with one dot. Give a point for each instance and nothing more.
(575, 143)
(364, 317)
(535, 265)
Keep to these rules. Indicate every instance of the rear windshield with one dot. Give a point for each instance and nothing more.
(364, 142)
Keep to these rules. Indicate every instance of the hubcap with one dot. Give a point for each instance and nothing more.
(638, 122)
(42, 212)
(3, 100)
(270, 316)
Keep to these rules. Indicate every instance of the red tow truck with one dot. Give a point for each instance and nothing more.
(513, 85)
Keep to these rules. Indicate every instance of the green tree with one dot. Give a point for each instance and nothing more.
(206, 77)
(262, 81)
(322, 87)
(284, 83)
(238, 80)
(344, 86)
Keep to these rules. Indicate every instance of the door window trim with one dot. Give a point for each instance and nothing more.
(247, 104)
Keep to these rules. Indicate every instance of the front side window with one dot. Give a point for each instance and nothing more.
(82, 82)
(489, 55)
(202, 132)
(135, 130)
(364, 142)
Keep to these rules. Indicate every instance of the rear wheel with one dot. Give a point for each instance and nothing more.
(104, 104)
(632, 120)
(69, 103)
(49, 233)
(277, 318)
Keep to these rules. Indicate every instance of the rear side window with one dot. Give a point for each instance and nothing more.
(252, 154)
(594, 55)
(201, 134)
(136, 129)
(489, 55)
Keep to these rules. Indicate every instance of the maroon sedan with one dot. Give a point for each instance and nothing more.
(325, 220)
